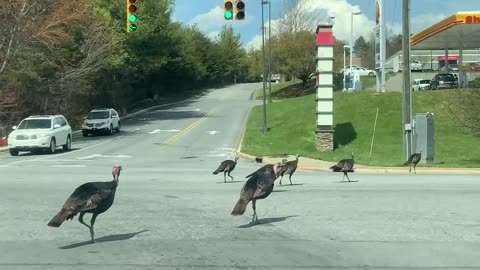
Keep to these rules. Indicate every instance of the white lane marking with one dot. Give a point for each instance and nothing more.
(163, 130)
(89, 157)
(103, 156)
(117, 156)
(137, 129)
(213, 132)
(68, 165)
(60, 155)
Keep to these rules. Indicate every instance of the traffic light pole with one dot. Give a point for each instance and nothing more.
(265, 128)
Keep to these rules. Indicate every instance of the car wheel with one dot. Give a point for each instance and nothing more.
(371, 74)
(119, 126)
(68, 145)
(53, 146)
(13, 152)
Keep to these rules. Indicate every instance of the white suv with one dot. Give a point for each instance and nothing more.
(101, 120)
(40, 132)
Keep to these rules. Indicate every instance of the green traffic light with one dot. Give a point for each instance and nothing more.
(228, 15)
(132, 18)
(132, 27)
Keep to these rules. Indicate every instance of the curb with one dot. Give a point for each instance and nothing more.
(366, 169)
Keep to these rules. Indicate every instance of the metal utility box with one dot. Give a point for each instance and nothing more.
(424, 136)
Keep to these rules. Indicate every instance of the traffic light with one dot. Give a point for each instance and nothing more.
(228, 9)
(240, 10)
(132, 17)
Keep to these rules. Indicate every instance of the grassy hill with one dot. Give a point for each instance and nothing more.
(292, 122)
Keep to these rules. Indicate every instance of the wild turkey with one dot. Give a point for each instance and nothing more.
(345, 166)
(257, 187)
(291, 168)
(226, 167)
(413, 159)
(263, 169)
(91, 197)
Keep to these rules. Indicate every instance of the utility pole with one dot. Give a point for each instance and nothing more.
(265, 128)
(270, 51)
(407, 90)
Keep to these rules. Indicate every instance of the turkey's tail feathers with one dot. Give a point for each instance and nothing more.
(335, 168)
(219, 169)
(58, 219)
(240, 207)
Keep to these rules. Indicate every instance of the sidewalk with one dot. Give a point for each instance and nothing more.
(309, 164)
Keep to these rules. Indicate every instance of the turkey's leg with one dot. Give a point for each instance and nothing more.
(346, 174)
(92, 233)
(224, 177)
(230, 175)
(254, 206)
(80, 219)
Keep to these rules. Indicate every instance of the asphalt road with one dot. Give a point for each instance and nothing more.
(170, 212)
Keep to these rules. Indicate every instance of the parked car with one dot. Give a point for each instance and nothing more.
(416, 65)
(40, 132)
(361, 71)
(101, 120)
(453, 67)
(420, 84)
(474, 66)
(347, 68)
(444, 80)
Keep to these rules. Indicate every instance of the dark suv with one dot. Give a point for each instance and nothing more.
(446, 80)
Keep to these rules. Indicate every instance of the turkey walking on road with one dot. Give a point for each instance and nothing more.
(345, 166)
(226, 167)
(413, 160)
(257, 187)
(291, 168)
(91, 197)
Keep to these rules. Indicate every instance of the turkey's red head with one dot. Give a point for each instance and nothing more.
(116, 171)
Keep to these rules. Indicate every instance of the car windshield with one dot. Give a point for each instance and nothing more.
(425, 81)
(98, 115)
(35, 124)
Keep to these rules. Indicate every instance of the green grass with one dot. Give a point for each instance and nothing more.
(370, 83)
(276, 87)
(292, 123)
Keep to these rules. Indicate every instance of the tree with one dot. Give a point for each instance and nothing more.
(297, 18)
(360, 48)
(297, 55)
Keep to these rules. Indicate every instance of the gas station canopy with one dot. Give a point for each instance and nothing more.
(461, 30)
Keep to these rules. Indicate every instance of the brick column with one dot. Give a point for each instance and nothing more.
(324, 97)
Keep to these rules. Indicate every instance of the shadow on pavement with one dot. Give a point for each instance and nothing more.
(266, 221)
(108, 238)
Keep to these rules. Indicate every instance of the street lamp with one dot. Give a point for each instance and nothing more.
(351, 43)
(345, 68)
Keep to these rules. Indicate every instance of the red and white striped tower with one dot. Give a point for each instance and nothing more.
(324, 98)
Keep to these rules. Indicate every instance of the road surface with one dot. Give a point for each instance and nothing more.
(170, 212)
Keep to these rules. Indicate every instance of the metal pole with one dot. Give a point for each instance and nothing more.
(351, 48)
(265, 129)
(269, 52)
(407, 93)
(344, 71)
